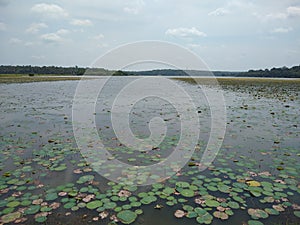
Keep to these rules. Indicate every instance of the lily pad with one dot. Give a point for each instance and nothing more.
(127, 216)
(13, 204)
(85, 179)
(179, 213)
(212, 203)
(148, 199)
(220, 215)
(253, 183)
(33, 209)
(11, 217)
(297, 213)
(187, 193)
(257, 213)
(94, 204)
(254, 222)
(51, 196)
(204, 217)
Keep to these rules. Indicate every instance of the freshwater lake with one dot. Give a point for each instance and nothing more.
(254, 178)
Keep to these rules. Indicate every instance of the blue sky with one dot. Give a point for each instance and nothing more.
(226, 34)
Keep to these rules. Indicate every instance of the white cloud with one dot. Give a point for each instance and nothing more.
(29, 43)
(50, 10)
(293, 11)
(219, 12)
(134, 7)
(2, 26)
(98, 37)
(35, 27)
(282, 30)
(273, 16)
(51, 37)
(54, 37)
(14, 41)
(77, 22)
(185, 32)
(62, 32)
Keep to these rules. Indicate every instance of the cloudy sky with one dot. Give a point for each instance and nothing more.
(226, 34)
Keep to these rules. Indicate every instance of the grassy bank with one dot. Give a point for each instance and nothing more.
(238, 80)
(20, 78)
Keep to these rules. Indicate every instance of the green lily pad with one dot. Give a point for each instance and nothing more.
(110, 205)
(254, 222)
(69, 205)
(59, 168)
(13, 204)
(51, 196)
(148, 199)
(33, 209)
(271, 211)
(94, 204)
(187, 193)
(182, 184)
(297, 213)
(168, 191)
(8, 210)
(191, 215)
(127, 216)
(138, 211)
(204, 217)
(233, 205)
(212, 203)
(41, 219)
(85, 179)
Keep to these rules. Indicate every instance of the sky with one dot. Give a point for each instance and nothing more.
(230, 35)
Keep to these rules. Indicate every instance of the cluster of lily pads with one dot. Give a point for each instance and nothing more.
(218, 193)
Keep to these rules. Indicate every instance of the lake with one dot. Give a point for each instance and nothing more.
(254, 177)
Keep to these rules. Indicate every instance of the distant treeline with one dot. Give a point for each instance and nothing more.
(42, 70)
(293, 72)
(284, 72)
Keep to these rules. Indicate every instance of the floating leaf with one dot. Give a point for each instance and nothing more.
(51, 196)
(11, 217)
(220, 215)
(33, 209)
(148, 199)
(85, 179)
(212, 203)
(179, 213)
(257, 213)
(13, 204)
(187, 193)
(94, 204)
(203, 216)
(253, 183)
(127, 216)
(254, 222)
(297, 213)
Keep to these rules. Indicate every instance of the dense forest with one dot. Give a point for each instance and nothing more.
(293, 72)
(42, 70)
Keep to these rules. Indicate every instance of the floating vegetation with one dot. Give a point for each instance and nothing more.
(256, 173)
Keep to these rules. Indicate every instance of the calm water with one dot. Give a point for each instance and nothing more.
(40, 158)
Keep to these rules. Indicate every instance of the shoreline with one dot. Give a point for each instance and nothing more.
(16, 78)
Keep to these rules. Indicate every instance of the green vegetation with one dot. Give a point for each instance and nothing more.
(293, 72)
